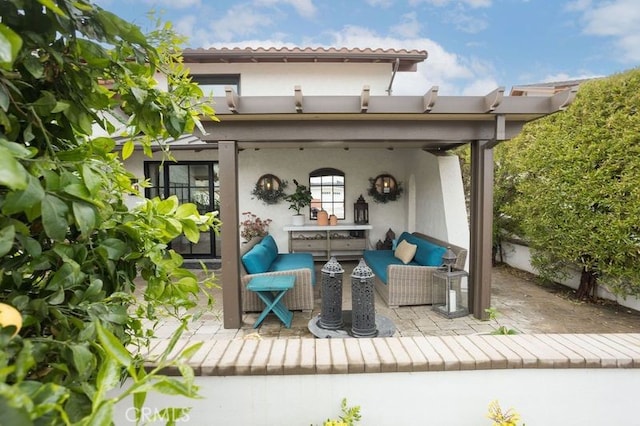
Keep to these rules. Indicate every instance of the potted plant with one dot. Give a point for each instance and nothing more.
(252, 226)
(298, 200)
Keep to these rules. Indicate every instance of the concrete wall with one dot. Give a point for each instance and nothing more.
(319, 79)
(424, 178)
(592, 397)
(519, 256)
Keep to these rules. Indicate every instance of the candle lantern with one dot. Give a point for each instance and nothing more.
(361, 211)
(450, 289)
(331, 314)
(362, 300)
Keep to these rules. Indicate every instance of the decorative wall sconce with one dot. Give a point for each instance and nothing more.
(269, 189)
(384, 188)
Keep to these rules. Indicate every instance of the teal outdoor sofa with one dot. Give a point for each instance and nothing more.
(260, 257)
(402, 284)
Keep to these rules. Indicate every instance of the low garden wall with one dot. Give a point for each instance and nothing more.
(518, 255)
(542, 397)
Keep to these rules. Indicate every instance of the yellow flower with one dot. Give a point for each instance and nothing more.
(508, 418)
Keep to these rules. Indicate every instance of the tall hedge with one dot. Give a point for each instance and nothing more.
(577, 177)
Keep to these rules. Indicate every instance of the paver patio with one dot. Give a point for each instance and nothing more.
(522, 303)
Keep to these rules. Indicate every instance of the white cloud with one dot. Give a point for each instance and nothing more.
(380, 3)
(409, 27)
(239, 21)
(471, 3)
(185, 26)
(620, 20)
(453, 74)
(174, 4)
(303, 7)
(578, 5)
(466, 22)
(480, 86)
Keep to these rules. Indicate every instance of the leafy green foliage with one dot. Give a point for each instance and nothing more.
(70, 248)
(300, 198)
(503, 330)
(576, 174)
(350, 415)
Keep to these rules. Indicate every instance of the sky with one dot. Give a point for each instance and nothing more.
(474, 46)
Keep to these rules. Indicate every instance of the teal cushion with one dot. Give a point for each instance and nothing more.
(429, 254)
(270, 244)
(434, 257)
(378, 260)
(406, 236)
(257, 260)
(289, 261)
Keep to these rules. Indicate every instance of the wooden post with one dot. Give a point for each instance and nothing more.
(481, 228)
(229, 214)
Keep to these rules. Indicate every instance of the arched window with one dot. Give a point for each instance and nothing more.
(327, 189)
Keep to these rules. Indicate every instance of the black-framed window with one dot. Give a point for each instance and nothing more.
(327, 187)
(192, 182)
(214, 84)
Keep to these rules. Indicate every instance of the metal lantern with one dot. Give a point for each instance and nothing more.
(450, 293)
(449, 259)
(363, 316)
(361, 211)
(331, 312)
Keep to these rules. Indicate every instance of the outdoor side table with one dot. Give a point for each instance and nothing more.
(271, 289)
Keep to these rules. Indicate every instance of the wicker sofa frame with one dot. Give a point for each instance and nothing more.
(299, 298)
(411, 284)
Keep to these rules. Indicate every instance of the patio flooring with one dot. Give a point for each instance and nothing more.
(522, 303)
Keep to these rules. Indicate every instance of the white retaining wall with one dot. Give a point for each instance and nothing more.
(519, 256)
(585, 397)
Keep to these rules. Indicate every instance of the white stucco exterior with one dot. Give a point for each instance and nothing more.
(433, 197)
(435, 213)
(315, 79)
(585, 397)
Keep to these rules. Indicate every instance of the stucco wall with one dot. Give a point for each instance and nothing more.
(320, 79)
(423, 176)
(592, 397)
(357, 164)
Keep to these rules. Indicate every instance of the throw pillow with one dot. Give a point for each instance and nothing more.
(270, 244)
(256, 260)
(405, 251)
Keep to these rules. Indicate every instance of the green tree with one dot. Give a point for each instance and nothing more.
(503, 192)
(578, 182)
(70, 248)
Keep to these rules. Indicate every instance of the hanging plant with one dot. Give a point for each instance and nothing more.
(271, 195)
(384, 188)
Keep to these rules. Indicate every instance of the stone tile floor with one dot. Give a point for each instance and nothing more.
(522, 303)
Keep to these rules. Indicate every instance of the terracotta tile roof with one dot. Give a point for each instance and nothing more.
(408, 59)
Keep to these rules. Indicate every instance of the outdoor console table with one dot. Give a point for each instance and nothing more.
(271, 289)
(346, 240)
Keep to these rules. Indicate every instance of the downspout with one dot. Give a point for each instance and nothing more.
(396, 65)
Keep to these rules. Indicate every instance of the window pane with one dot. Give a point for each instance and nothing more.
(327, 189)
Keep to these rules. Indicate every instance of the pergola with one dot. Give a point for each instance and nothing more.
(429, 122)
